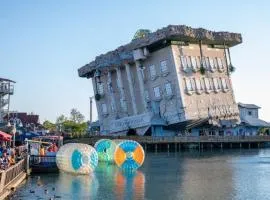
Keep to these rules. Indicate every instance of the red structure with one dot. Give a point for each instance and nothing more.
(24, 118)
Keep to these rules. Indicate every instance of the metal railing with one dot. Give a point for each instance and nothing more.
(8, 175)
(178, 139)
(36, 160)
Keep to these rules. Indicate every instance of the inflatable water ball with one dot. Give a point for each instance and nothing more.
(129, 155)
(77, 158)
(105, 149)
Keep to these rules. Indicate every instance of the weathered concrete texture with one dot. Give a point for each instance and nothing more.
(171, 32)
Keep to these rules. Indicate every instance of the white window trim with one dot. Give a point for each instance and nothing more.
(184, 63)
(188, 84)
(195, 64)
(166, 71)
(159, 91)
(207, 85)
(216, 85)
(198, 85)
(211, 64)
(152, 69)
(100, 88)
(223, 82)
(220, 64)
(104, 109)
(166, 91)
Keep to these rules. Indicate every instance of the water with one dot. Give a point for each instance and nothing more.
(186, 175)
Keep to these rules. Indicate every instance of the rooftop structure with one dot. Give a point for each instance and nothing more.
(6, 90)
(167, 82)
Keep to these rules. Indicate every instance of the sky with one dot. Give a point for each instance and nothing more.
(43, 43)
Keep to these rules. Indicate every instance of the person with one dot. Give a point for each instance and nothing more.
(42, 151)
(12, 160)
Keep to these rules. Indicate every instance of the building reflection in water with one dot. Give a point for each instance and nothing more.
(77, 186)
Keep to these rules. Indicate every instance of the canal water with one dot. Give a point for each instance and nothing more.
(238, 174)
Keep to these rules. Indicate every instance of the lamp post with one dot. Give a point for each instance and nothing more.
(13, 131)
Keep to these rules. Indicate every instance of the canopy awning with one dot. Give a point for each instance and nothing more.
(4, 136)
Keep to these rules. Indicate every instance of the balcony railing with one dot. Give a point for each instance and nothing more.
(6, 89)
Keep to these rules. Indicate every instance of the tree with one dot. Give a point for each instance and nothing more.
(59, 122)
(76, 116)
(49, 125)
(141, 33)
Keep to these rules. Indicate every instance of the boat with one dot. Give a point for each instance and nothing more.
(43, 151)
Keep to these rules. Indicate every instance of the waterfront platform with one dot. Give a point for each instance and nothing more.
(180, 142)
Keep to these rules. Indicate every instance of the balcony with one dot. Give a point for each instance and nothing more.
(6, 89)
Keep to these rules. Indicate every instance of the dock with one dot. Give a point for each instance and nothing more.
(176, 143)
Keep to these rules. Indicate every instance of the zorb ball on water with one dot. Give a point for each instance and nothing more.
(105, 149)
(129, 155)
(77, 158)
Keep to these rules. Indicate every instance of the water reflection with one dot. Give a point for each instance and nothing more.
(191, 175)
(77, 186)
(129, 185)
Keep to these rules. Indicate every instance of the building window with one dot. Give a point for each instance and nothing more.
(163, 67)
(100, 88)
(113, 107)
(249, 113)
(190, 85)
(157, 92)
(224, 84)
(146, 95)
(208, 85)
(194, 63)
(153, 73)
(220, 64)
(168, 89)
(104, 109)
(184, 63)
(198, 86)
(123, 104)
(216, 85)
(211, 64)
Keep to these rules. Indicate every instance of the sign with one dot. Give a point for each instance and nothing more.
(131, 122)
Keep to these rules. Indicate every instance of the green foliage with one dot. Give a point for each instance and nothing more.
(264, 131)
(76, 116)
(141, 33)
(49, 125)
(202, 70)
(74, 125)
(231, 68)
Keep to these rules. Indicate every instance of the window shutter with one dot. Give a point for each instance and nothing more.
(168, 89)
(163, 65)
(153, 72)
(198, 84)
(211, 64)
(156, 92)
(104, 108)
(184, 62)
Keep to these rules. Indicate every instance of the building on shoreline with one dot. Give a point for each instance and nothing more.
(175, 81)
(6, 90)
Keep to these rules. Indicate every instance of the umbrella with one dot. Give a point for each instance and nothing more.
(4, 136)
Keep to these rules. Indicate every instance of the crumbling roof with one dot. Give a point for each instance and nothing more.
(251, 121)
(7, 80)
(171, 32)
(250, 106)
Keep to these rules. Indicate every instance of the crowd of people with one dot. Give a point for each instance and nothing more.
(9, 156)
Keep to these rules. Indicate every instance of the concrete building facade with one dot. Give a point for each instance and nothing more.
(172, 81)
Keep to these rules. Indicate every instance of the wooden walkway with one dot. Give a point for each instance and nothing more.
(201, 141)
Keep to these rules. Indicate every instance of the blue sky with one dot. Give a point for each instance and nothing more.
(43, 43)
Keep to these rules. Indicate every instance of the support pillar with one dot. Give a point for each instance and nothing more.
(249, 145)
(155, 147)
(141, 85)
(113, 104)
(240, 145)
(231, 145)
(221, 145)
(131, 89)
(121, 87)
(168, 147)
(258, 145)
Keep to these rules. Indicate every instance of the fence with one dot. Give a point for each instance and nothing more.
(8, 175)
(175, 139)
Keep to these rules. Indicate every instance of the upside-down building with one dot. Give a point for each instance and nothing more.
(169, 82)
